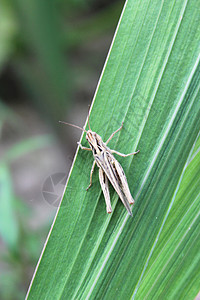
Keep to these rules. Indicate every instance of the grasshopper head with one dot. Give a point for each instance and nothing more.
(94, 140)
(91, 137)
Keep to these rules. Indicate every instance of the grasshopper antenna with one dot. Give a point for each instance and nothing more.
(89, 117)
(72, 125)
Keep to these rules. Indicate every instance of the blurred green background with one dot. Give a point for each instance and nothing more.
(51, 57)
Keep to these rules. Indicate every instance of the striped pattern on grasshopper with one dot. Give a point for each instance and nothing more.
(109, 168)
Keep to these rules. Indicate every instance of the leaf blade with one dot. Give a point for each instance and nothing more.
(94, 253)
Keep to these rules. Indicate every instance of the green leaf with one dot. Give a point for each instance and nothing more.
(175, 259)
(9, 230)
(151, 82)
(8, 30)
(46, 75)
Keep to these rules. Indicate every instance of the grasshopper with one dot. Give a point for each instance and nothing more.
(109, 168)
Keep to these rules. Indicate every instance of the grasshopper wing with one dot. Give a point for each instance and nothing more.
(116, 176)
(105, 188)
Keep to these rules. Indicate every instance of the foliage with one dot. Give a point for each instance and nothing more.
(151, 82)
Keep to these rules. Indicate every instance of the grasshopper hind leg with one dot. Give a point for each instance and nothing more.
(105, 188)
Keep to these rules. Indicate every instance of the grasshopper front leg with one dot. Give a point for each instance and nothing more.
(92, 170)
(84, 148)
(91, 173)
(114, 133)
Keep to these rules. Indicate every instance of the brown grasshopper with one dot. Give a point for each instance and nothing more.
(109, 168)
